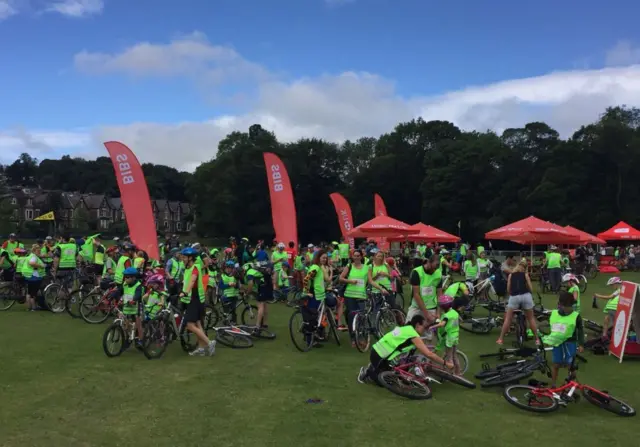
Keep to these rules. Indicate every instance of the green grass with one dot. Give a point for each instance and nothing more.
(59, 389)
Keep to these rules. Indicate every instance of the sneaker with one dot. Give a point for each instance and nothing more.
(200, 352)
(342, 328)
(212, 347)
(362, 375)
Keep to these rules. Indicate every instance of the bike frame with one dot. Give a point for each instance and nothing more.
(571, 386)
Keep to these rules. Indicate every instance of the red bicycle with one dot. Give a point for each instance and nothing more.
(538, 398)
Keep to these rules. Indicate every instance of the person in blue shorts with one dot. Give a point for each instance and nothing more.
(567, 335)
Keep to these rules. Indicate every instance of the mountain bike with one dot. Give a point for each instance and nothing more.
(168, 326)
(482, 325)
(11, 292)
(375, 320)
(538, 398)
(98, 305)
(311, 325)
(60, 295)
(120, 335)
(249, 311)
(289, 295)
(233, 335)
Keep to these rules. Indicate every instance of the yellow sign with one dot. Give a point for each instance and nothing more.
(47, 216)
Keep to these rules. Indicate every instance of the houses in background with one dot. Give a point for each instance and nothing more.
(96, 212)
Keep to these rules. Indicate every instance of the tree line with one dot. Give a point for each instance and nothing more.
(432, 172)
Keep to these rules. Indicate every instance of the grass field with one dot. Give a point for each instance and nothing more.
(59, 389)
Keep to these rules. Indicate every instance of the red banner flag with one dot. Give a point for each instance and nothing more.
(135, 198)
(283, 208)
(381, 210)
(345, 220)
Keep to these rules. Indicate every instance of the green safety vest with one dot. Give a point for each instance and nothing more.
(562, 328)
(277, 256)
(128, 292)
(8, 259)
(383, 281)
(612, 304)
(428, 290)
(283, 279)
(88, 250)
(20, 263)
(483, 265)
(258, 277)
(396, 342)
(554, 260)
(230, 292)
(343, 249)
(576, 305)
(450, 333)
(297, 264)
(456, 289)
(138, 263)
(118, 277)
(68, 253)
(199, 284)
(470, 270)
(463, 250)
(11, 246)
(176, 268)
(152, 306)
(335, 256)
(422, 250)
(28, 271)
(99, 258)
(319, 291)
(357, 291)
(45, 250)
(480, 249)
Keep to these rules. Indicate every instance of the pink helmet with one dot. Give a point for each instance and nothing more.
(445, 301)
(614, 280)
(228, 251)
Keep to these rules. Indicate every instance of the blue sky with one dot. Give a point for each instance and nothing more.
(166, 74)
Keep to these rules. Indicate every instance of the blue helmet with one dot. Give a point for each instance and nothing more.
(230, 264)
(130, 272)
(189, 252)
(285, 265)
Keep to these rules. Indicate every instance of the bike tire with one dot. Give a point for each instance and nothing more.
(188, 341)
(582, 285)
(295, 328)
(211, 317)
(155, 330)
(592, 326)
(262, 333)
(361, 332)
(73, 303)
(505, 379)
(88, 307)
(114, 332)
(476, 327)
(399, 301)
(6, 300)
(513, 400)
(403, 386)
(451, 377)
(232, 340)
(53, 300)
(604, 401)
(250, 315)
(385, 322)
(332, 327)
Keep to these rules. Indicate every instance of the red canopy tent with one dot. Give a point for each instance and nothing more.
(620, 232)
(533, 231)
(382, 226)
(427, 233)
(585, 238)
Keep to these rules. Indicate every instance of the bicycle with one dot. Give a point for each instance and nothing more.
(10, 293)
(483, 325)
(483, 291)
(312, 325)
(233, 335)
(98, 305)
(288, 295)
(168, 325)
(541, 399)
(122, 333)
(60, 296)
(376, 319)
(248, 315)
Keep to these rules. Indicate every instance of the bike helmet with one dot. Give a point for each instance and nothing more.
(390, 261)
(112, 249)
(19, 251)
(196, 246)
(189, 252)
(569, 277)
(214, 252)
(228, 251)
(130, 272)
(444, 251)
(445, 301)
(614, 280)
(285, 265)
(155, 280)
(128, 247)
(230, 264)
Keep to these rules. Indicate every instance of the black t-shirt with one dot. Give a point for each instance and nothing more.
(414, 279)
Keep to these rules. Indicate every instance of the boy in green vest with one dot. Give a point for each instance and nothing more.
(449, 328)
(132, 291)
(566, 333)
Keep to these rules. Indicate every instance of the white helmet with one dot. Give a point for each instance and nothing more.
(614, 280)
(569, 277)
(280, 244)
(444, 251)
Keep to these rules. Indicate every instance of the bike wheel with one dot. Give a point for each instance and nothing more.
(399, 301)
(445, 374)
(361, 332)
(582, 284)
(114, 340)
(7, 298)
(155, 339)
(332, 327)
(505, 378)
(211, 317)
(54, 298)
(250, 315)
(385, 322)
(592, 326)
(608, 402)
(463, 361)
(233, 340)
(188, 341)
(480, 326)
(300, 332)
(73, 303)
(404, 386)
(522, 396)
(262, 333)
(93, 309)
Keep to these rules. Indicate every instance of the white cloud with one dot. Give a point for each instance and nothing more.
(8, 8)
(77, 8)
(334, 107)
(623, 53)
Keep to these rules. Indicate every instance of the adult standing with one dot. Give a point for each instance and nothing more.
(553, 262)
(426, 285)
(11, 244)
(519, 289)
(355, 276)
(65, 258)
(33, 271)
(343, 248)
(483, 265)
(291, 253)
(278, 257)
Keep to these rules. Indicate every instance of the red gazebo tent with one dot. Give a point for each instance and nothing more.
(585, 238)
(621, 231)
(382, 226)
(533, 231)
(427, 233)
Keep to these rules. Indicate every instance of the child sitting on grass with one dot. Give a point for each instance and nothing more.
(567, 335)
(449, 328)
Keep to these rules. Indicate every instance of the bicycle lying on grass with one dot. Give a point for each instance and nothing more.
(538, 398)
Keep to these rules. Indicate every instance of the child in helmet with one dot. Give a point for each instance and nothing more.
(132, 299)
(228, 285)
(449, 328)
(612, 303)
(154, 298)
(572, 287)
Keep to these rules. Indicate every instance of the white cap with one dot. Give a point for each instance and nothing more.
(280, 244)
(310, 246)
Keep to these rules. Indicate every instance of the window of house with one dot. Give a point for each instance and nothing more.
(188, 226)
(166, 215)
(104, 224)
(14, 201)
(37, 212)
(29, 202)
(179, 226)
(28, 214)
(65, 213)
(166, 224)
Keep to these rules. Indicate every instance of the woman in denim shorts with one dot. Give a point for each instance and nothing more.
(519, 290)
